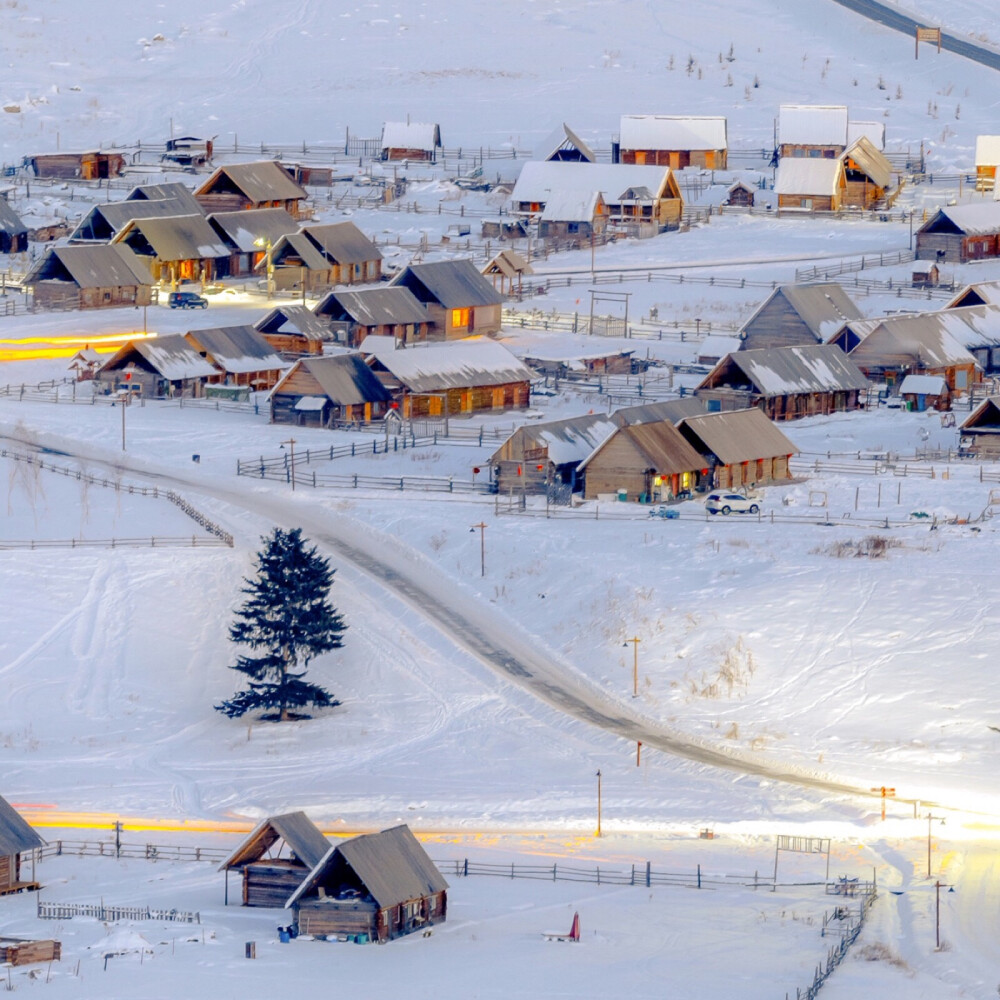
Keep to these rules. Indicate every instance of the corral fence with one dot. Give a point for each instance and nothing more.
(154, 542)
(221, 536)
(120, 849)
(641, 874)
(108, 913)
(845, 922)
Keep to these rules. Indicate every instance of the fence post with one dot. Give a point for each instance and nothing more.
(699, 876)
(465, 872)
(647, 874)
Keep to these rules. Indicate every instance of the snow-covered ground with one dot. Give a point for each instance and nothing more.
(772, 640)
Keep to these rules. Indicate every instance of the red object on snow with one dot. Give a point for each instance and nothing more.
(574, 931)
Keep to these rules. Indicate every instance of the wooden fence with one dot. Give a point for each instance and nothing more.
(119, 849)
(108, 913)
(154, 542)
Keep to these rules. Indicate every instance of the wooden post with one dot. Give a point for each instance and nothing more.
(598, 803)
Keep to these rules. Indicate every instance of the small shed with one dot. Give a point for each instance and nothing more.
(188, 151)
(294, 330)
(13, 232)
(979, 435)
(740, 447)
(84, 364)
(95, 277)
(922, 392)
(376, 887)
(157, 368)
(810, 185)
(269, 874)
(329, 390)
(410, 141)
(868, 174)
(16, 838)
(740, 194)
(264, 184)
(987, 160)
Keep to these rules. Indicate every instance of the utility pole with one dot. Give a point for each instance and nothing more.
(598, 802)
(482, 546)
(291, 448)
(930, 819)
(635, 640)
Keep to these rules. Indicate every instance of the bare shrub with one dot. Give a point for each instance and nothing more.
(879, 952)
(869, 547)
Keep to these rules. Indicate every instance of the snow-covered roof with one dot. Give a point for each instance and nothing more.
(923, 385)
(411, 135)
(100, 266)
(238, 350)
(342, 243)
(291, 319)
(265, 180)
(987, 150)
(874, 132)
(783, 371)
(9, 220)
(342, 378)
(454, 284)
(538, 182)
(244, 229)
(808, 176)
(170, 355)
(571, 206)
(657, 445)
(393, 306)
(458, 364)
(935, 339)
(117, 214)
(565, 441)
(508, 263)
(812, 124)
(823, 307)
(978, 293)
(870, 161)
(979, 219)
(179, 237)
(673, 132)
(738, 435)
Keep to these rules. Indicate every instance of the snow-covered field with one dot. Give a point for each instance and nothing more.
(772, 640)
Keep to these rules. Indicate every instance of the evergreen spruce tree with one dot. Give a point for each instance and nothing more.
(287, 620)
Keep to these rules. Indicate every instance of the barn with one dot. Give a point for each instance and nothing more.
(376, 887)
(16, 838)
(274, 859)
(785, 382)
(675, 141)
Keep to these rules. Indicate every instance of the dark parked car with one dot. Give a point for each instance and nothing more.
(186, 300)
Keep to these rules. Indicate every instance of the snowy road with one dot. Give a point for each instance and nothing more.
(476, 627)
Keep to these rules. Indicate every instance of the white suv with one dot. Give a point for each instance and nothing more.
(727, 503)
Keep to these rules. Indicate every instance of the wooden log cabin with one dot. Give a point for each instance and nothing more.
(246, 235)
(675, 141)
(91, 165)
(818, 185)
(987, 159)
(867, 174)
(458, 299)
(24, 951)
(785, 382)
(410, 141)
(177, 248)
(798, 314)
(16, 838)
(294, 330)
(329, 390)
(740, 447)
(979, 435)
(812, 130)
(94, 277)
(156, 368)
(373, 888)
(241, 354)
(274, 859)
(960, 233)
(239, 186)
(393, 312)
(440, 380)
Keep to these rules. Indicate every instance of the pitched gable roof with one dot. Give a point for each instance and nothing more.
(564, 143)
(392, 306)
(102, 266)
(458, 364)
(869, 161)
(823, 307)
(786, 371)
(539, 181)
(564, 441)
(171, 356)
(235, 349)
(737, 435)
(343, 378)
(978, 219)
(661, 447)
(425, 136)
(453, 284)
(294, 319)
(298, 832)
(243, 230)
(174, 191)
(178, 237)
(812, 124)
(266, 180)
(104, 221)
(300, 247)
(342, 243)
(10, 222)
(391, 865)
(16, 835)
